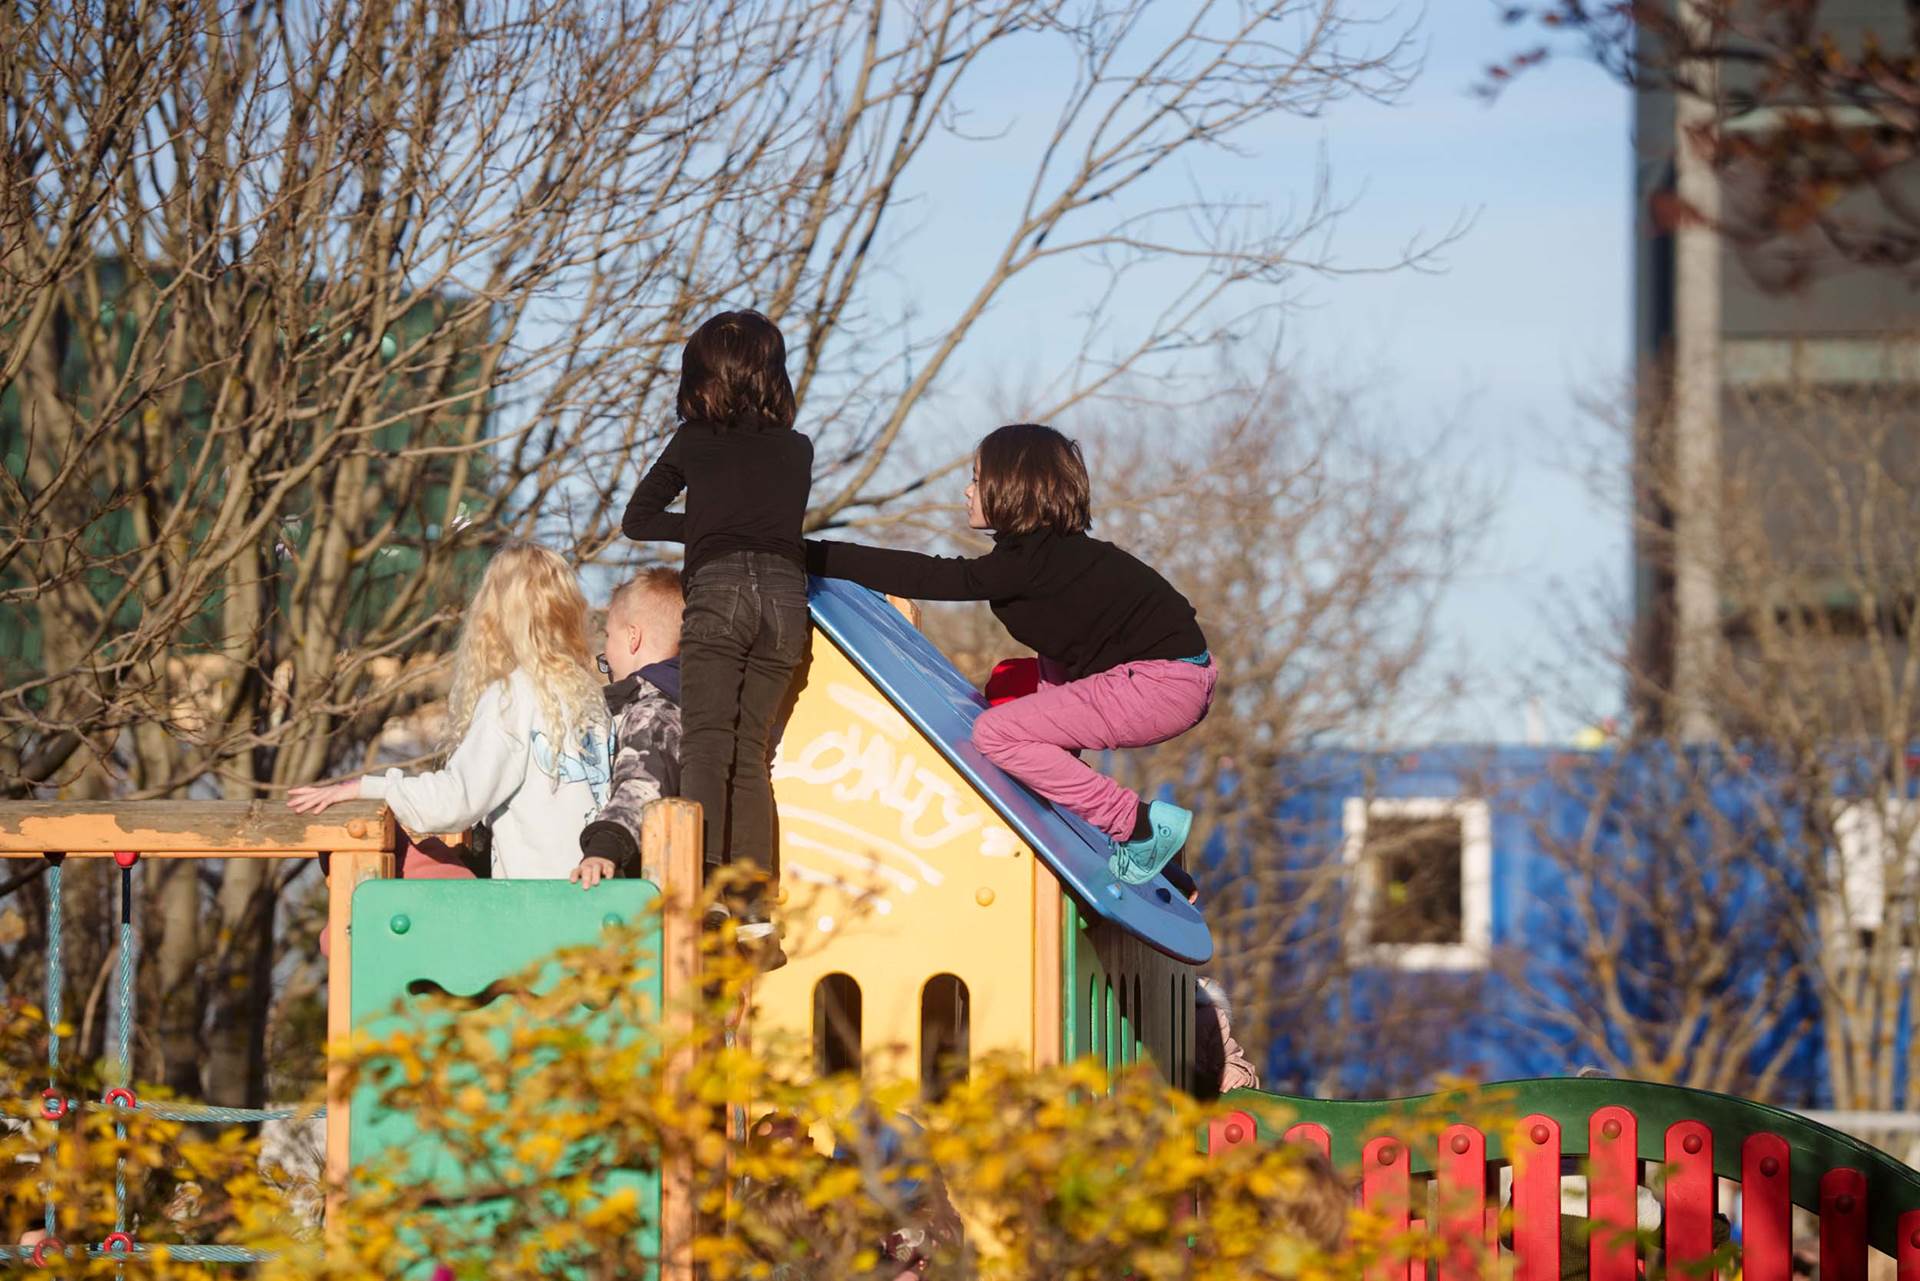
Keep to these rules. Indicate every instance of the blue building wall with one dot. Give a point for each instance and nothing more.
(1671, 839)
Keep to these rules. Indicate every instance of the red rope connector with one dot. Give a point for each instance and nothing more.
(53, 1104)
(126, 858)
(118, 1244)
(121, 1096)
(44, 1247)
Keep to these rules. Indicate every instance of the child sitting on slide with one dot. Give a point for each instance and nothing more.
(1126, 664)
(526, 719)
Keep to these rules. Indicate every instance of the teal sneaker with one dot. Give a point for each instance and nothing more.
(1137, 862)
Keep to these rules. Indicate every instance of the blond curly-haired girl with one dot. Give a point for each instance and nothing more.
(527, 726)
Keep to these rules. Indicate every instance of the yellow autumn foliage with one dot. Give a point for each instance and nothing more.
(540, 1125)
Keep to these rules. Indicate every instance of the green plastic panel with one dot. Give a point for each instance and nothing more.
(1893, 1188)
(1125, 1001)
(460, 937)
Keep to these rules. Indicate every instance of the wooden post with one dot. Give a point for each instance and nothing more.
(345, 870)
(1049, 920)
(670, 840)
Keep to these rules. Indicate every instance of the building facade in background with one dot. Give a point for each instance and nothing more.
(1777, 337)
(1500, 912)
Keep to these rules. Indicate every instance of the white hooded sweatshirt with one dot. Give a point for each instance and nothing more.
(506, 772)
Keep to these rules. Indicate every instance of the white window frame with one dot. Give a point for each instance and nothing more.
(1857, 899)
(1475, 947)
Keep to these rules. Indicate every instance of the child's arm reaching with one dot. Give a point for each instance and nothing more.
(483, 772)
(647, 519)
(916, 575)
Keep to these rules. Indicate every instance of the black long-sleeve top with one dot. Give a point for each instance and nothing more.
(746, 492)
(1083, 603)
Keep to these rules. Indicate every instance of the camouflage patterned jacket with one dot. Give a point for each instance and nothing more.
(646, 762)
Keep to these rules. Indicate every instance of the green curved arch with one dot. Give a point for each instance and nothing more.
(1893, 1187)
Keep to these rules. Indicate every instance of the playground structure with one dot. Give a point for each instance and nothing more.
(950, 913)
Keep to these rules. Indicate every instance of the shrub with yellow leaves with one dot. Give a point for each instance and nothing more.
(537, 1131)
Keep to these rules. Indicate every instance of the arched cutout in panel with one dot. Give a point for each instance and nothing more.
(946, 1034)
(836, 1025)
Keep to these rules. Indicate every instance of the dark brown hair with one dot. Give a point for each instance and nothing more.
(733, 373)
(1033, 478)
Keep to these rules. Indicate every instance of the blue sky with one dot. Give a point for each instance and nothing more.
(1492, 356)
(1531, 318)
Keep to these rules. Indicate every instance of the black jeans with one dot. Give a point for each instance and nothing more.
(743, 636)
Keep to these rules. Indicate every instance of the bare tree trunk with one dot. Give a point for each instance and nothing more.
(178, 957)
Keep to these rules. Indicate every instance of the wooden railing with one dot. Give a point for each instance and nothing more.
(353, 842)
(1617, 1133)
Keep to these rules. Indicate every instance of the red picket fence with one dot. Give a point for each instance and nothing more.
(1863, 1197)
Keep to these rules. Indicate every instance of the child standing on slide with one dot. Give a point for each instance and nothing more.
(1123, 659)
(527, 720)
(747, 475)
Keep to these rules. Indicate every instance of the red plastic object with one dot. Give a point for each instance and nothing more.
(118, 1243)
(1461, 1173)
(126, 858)
(1766, 1208)
(1536, 1199)
(53, 1104)
(1234, 1130)
(47, 1246)
(121, 1096)
(1690, 1199)
(1843, 1226)
(429, 860)
(1384, 1179)
(1613, 1199)
(1314, 1136)
(1909, 1246)
(1012, 678)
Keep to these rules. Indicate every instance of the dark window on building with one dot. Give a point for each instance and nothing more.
(1416, 864)
(836, 1025)
(946, 1015)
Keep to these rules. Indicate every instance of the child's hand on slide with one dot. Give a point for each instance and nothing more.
(314, 797)
(591, 872)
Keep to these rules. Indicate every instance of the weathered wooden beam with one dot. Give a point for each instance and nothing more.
(670, 840)
(168, 829)
(345, 871)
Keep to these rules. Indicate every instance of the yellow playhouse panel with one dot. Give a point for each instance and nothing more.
(893, 870)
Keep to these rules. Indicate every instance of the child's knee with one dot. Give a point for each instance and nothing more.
(992, 735)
